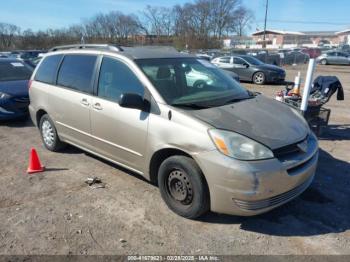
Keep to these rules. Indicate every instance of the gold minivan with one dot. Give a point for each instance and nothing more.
(177, 120)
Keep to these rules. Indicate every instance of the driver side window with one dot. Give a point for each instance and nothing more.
(117, 78)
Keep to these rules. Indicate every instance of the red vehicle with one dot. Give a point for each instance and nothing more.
(312, 52)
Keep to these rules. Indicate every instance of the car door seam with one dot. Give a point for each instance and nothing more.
(100, 139)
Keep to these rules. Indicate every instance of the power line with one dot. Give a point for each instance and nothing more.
(306, 22)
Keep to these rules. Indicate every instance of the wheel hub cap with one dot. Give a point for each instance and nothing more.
(259, 78)
(47, 133)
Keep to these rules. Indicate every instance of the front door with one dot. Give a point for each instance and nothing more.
(240, 68)
(119, 133)
(342, 58)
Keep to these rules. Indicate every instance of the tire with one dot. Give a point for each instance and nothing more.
(259, 78)
(183, 187)
(49, 135)
(323, 62)
(199, 84)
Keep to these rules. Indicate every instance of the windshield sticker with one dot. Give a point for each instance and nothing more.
(17, 64)
(206, 63)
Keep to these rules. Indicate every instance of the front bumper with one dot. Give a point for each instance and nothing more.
(249, 188)
(276, 77)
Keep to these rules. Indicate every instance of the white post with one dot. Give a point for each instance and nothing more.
(307, 87)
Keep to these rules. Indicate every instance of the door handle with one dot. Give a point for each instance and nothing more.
(97, 106)
(84, 102)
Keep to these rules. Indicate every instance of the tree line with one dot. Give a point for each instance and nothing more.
(198, 24)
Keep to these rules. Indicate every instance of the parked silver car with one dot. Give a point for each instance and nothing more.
(214, 146)
(334, 58)
(251, 69)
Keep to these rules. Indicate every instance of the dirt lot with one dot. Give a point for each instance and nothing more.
(56, 213)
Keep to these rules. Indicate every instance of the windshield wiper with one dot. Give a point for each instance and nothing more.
(190, 105)
(238, 99)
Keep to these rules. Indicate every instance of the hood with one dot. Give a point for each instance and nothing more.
(14, 88)
(271, 68)
(267, 121)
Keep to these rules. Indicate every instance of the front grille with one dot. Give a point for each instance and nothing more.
(288, 150)
(273, 201)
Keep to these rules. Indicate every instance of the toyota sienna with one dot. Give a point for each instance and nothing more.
(210, 146)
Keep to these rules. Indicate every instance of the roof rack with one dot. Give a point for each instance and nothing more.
(87, 46)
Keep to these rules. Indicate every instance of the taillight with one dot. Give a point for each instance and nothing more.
(29, 83)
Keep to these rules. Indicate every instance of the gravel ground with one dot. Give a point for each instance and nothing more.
(55, 212)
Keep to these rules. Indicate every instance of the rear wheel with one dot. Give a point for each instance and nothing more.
(259, 78)
(49, 134)
(324, 62)
(183, 187)
(199, 84)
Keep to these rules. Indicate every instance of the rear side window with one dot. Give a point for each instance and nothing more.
(76, 72)
(116, 78)
(47, 71)
(225, 59)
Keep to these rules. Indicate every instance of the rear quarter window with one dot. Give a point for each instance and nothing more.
(76, 72)
(47, 70)
(225, 60)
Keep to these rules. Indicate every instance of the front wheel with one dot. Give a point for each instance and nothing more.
(259, 78)
(49, 134)
(183, 187)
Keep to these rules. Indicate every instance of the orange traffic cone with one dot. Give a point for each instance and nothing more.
(34, 163)
(296, 90)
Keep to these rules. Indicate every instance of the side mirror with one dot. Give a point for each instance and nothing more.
(246, 65)
(130, 100)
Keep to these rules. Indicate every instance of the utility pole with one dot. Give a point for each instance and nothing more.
(267, 8)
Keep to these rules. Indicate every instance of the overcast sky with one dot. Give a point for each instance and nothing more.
(293, 15)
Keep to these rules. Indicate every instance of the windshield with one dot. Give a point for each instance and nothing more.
(14, 70)
(190, 81)
(253, 61)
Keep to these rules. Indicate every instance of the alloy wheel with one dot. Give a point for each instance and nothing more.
(48, 133)
(259, 78)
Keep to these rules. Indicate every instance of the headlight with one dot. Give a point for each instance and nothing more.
(237, 146)
(4, 96)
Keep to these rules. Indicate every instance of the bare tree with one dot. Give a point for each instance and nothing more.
(197, 24)
(159, 20)
(242, 20)
(8, 33)
(223, 12)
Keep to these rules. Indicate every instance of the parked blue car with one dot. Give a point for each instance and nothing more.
(14, 78)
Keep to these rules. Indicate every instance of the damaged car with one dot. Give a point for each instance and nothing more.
(214, 146)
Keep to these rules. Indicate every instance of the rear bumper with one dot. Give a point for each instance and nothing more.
(248, 188)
